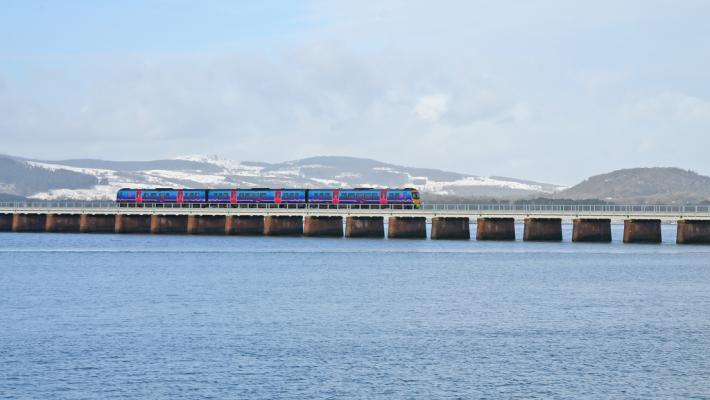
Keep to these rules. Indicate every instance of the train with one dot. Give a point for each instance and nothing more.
(406, 198)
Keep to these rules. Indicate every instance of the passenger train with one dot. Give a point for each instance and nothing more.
(333, 198)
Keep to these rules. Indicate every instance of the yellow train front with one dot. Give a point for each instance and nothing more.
(406, 198)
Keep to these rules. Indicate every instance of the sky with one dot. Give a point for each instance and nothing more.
(548, 90)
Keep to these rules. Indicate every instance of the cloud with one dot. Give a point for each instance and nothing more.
(431, 107)
(674, 107)
(506, 88)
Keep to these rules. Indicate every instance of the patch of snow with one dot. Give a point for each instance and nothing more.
(210, 180)
(287, 172)
(391, 170)
(311, 166)
(227, 164)
(327, 182)
(347, 175)
(97, 172)
(444, 187)
(98, 192)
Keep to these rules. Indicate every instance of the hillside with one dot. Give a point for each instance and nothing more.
(19, 178)
(643, 185)
(90, 179)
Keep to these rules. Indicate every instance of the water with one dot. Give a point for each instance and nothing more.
(177, 317)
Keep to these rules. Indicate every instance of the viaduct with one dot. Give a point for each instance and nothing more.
(590, 223)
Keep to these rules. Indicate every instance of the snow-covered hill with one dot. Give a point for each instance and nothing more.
(213, 172)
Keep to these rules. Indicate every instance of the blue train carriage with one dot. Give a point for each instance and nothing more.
(159, 196)
(126, 197)
(222, 196)
(322, 197)
(290, 197)
(361, 197)
(256, 196)
(405, 198)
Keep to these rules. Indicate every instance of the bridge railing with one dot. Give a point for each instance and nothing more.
(464, 208)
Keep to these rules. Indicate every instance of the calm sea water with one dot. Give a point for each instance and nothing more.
(183, 317)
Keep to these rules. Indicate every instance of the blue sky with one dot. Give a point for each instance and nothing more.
(548, 90)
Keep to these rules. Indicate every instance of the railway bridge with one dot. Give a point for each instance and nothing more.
(590, 223)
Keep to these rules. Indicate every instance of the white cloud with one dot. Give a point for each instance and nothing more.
(678, 107)
(431, 107)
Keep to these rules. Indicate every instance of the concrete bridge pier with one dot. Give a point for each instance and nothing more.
(543, 230)
(168, 223)
(323, 226)
(97, 223)
(406, 228)
(591, 230)
(642, 231)
(495, 229)
(365, 227)
(132, 223)
(5, 222)
(450, 228)
(206, 225)
(29, 222)
(244, 225)
(693, 232)
(63, 222)
(283, 225)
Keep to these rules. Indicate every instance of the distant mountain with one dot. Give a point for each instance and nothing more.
(100, 179)
(643, 185)
(19, 178)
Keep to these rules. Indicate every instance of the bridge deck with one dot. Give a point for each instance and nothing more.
(517, 211)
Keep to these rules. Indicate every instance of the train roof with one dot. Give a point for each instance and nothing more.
(228, 189)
